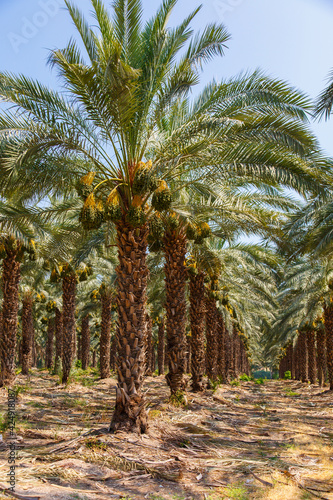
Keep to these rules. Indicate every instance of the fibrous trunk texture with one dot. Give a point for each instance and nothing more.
(321, 356)
(85, 342)
(161, 348)
(132, 275)
(212, 345)
(79, 348)
(188, 354)
(27, 334)
(298, 360)
(228, 357)
(294, 362)
(236, 353)
(34, 353)
(49, 343)
(290, 358)
(328, 320)
(10, 305)
(311, 339)
(221, 371)
(303, 356)
(68, 316)
(153, 357)
(197, 319)
(149, 345)
(175, 306)
(58, 340)
(105, 339)
(113, 351)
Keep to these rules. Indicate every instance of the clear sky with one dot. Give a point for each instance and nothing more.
(289, 39)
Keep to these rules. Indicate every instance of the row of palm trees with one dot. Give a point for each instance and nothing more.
(124, 156)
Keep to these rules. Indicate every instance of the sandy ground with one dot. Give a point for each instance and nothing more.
(271, 441)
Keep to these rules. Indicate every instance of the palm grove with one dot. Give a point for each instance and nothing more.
(124, 195)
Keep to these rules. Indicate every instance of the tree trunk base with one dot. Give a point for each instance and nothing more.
(197, 386)
(130, 414)
(7, 379)
(176, 382)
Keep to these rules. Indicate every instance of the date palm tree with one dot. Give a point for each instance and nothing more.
(103, 130)
(19, 226)
(310, 228)
(108, 122)
(27, 330)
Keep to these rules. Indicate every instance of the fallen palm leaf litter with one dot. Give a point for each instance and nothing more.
(267, 444)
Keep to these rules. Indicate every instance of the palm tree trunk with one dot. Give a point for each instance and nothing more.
(228, 357)
(197, 319)
(113, 352)
(27, 333)
(94, 359)
(79, 348)
(294, 362)
(328, 320)
(105, 339)
(34, 353)
(149, 345)
(161, 348)
(298, 359)
(235, 353)
(311, 339)
(132, 275)
(290, 358)
(212, 346)
(241, 357)
(58, 340)
(49, 343)
(188, 354)
(68, 316)
(85, 342)
(175, 306)
(303, 351)
(321, 356)
(221, 347)
(10, 304)
(153, 357)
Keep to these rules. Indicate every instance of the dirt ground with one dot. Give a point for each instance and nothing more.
(269, 441)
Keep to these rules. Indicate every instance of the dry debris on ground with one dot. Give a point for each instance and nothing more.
(269, 441)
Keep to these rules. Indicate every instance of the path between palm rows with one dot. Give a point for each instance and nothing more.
(271, 441)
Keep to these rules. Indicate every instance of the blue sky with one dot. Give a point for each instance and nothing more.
(289, 39)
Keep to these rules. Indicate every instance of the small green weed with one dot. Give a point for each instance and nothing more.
(178, 399)
(235, 383)
(214, 384)
(184, 444)
(3, 423)
(287, 375)
(259, 381)
(18, 389)
(154, 414)
(94, 443)
(289, 392)
(306, 496)
(245, 378)
(37, 404)
(236, 493)
(70, 402)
